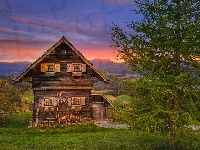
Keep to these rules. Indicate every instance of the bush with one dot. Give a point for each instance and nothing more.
(3, 120)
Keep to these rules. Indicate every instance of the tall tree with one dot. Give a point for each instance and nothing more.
(10, 96)
(165, 50)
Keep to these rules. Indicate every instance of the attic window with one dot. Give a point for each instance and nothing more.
(50, 68)
(63, 51)
(77, 68)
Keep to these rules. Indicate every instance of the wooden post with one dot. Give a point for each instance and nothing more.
(36, 117)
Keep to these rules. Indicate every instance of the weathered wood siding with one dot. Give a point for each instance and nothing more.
(61, 87)
(62, 78)
(60, 106)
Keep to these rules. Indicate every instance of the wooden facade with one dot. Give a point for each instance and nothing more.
(62, 80)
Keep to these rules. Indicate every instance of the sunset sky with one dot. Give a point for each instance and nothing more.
(30, 27)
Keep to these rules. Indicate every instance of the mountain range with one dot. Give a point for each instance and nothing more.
(101, 64)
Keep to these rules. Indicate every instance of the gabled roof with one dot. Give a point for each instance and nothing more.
(63, 39)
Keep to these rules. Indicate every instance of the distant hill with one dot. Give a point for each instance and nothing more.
(110, 66)
(101, 64)
(13, 67)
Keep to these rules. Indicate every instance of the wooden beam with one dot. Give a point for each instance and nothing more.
(64, 88)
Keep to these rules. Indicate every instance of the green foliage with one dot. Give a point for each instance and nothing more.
(30, 96)
(152, 103)
(168, 34)
(3, 120)
(10, 97)
(16, 135)
(18, 120)
(165, 50)
(14, 97)
(22, 86)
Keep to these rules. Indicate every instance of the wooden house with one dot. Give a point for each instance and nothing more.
(62, 80)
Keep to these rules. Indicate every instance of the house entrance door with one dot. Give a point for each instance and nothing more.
(98, 111)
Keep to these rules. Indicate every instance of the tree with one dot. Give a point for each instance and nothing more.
(22, 86)
(165, 50)
(10, 97)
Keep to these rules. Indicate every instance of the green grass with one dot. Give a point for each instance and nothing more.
(16, 136)
(110, 97)
(30, 97)
(124, 97)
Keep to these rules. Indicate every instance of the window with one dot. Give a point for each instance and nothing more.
(63, 51)
(48, 102)
(75, 101)
(50, 68)
(77, 68)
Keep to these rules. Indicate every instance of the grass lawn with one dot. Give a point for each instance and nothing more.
(124, 97)
(110, 97)
(29, 97)
(27, 101)
(16, 136)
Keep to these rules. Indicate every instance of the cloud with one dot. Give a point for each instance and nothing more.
(47, 28)
(36, 22)
(32, 52)
(33, 27)
(4, 28)
(68, 26)
(24, 41)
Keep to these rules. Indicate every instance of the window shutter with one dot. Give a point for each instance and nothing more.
(82, 100)
(51, 101)
(56, 101)
(83, 67)
(57, 67)
(69, 67)
(69, 101)
(41, 102)
(43, 67)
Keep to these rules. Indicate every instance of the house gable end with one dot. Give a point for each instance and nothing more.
(65, 49)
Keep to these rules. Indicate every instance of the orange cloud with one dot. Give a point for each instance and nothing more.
(32, 53)
(98, 52)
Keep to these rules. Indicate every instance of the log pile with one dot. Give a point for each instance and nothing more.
(64, 120)
(72, 119)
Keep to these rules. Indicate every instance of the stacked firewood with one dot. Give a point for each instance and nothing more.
(70, 119)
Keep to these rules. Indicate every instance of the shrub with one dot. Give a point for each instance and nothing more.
(3, 120)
